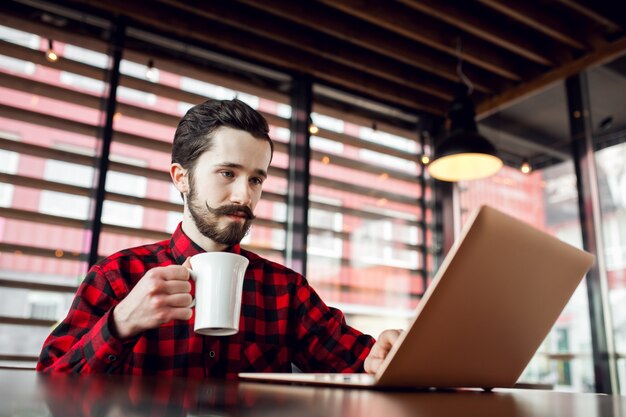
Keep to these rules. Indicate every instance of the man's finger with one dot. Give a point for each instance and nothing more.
(175, 272)
(178, 300)
(177, 287)
(372, 364)
(181, 313)
(187, 263)
(388, 338)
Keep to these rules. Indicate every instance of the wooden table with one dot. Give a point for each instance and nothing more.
(26, 393)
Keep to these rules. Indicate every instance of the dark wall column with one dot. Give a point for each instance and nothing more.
(112, 79)
(424, 136)
(299, 176)
(443, 191)
(444, 215)
(604, 362)
(427, 127)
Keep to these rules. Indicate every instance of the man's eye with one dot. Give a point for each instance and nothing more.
(256, 181)
(227, 174)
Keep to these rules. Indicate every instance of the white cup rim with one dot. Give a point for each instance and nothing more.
(218, 253)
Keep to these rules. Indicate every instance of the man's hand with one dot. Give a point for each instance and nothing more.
(160, 296)
(380, 350)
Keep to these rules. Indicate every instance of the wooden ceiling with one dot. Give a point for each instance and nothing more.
(404, 52)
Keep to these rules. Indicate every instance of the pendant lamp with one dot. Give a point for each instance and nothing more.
(464, 154)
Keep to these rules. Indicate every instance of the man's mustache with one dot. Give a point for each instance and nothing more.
(233, 209)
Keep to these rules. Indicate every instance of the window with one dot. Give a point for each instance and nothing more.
(8, 165)
(366, 246)
(609, 138)
(546, 199)
(47, 147)
(326, 243)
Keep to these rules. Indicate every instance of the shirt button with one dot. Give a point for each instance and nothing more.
(112, 358)
(211, 354)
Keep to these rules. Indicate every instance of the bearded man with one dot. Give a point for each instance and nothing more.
(132, 314)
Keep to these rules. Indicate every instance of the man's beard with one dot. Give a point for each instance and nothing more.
(206, 220)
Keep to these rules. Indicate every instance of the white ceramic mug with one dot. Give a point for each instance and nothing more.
(219, 285)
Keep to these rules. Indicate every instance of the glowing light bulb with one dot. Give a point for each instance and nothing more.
(51, 56)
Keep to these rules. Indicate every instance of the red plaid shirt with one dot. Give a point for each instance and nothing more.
(283, 321)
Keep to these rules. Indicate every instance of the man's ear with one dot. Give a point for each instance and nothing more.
(179, 177)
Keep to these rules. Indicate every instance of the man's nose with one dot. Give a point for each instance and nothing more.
(241, 193)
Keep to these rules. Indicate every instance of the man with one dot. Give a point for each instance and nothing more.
(131, 314)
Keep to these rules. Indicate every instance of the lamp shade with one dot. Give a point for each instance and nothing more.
(464, 154)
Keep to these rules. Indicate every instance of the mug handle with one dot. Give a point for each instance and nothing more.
(192, 275)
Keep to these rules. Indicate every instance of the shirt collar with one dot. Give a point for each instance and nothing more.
(183, 247)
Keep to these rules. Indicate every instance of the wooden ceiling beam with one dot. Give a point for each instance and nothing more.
(509, 97)
(550, 24)
(273, 53)
(355, 31)
(397, 63)
(414, 25)
(592, 11)
(490, 28)
(264, 24)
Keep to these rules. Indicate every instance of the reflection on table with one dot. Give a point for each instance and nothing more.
(26, 393)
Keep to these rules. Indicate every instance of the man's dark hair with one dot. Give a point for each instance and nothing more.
(195, 130)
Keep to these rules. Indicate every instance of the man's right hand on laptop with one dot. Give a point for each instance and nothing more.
(380, 350)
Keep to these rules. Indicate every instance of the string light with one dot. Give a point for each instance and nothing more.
(425, 159)
(150, 73)
(525, 167)
(313, 129)
(51, 56)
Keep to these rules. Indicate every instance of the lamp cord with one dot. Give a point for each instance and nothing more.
(459, 68)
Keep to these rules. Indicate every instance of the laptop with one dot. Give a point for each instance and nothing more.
(493, 301)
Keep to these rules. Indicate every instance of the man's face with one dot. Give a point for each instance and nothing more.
(225, 185)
